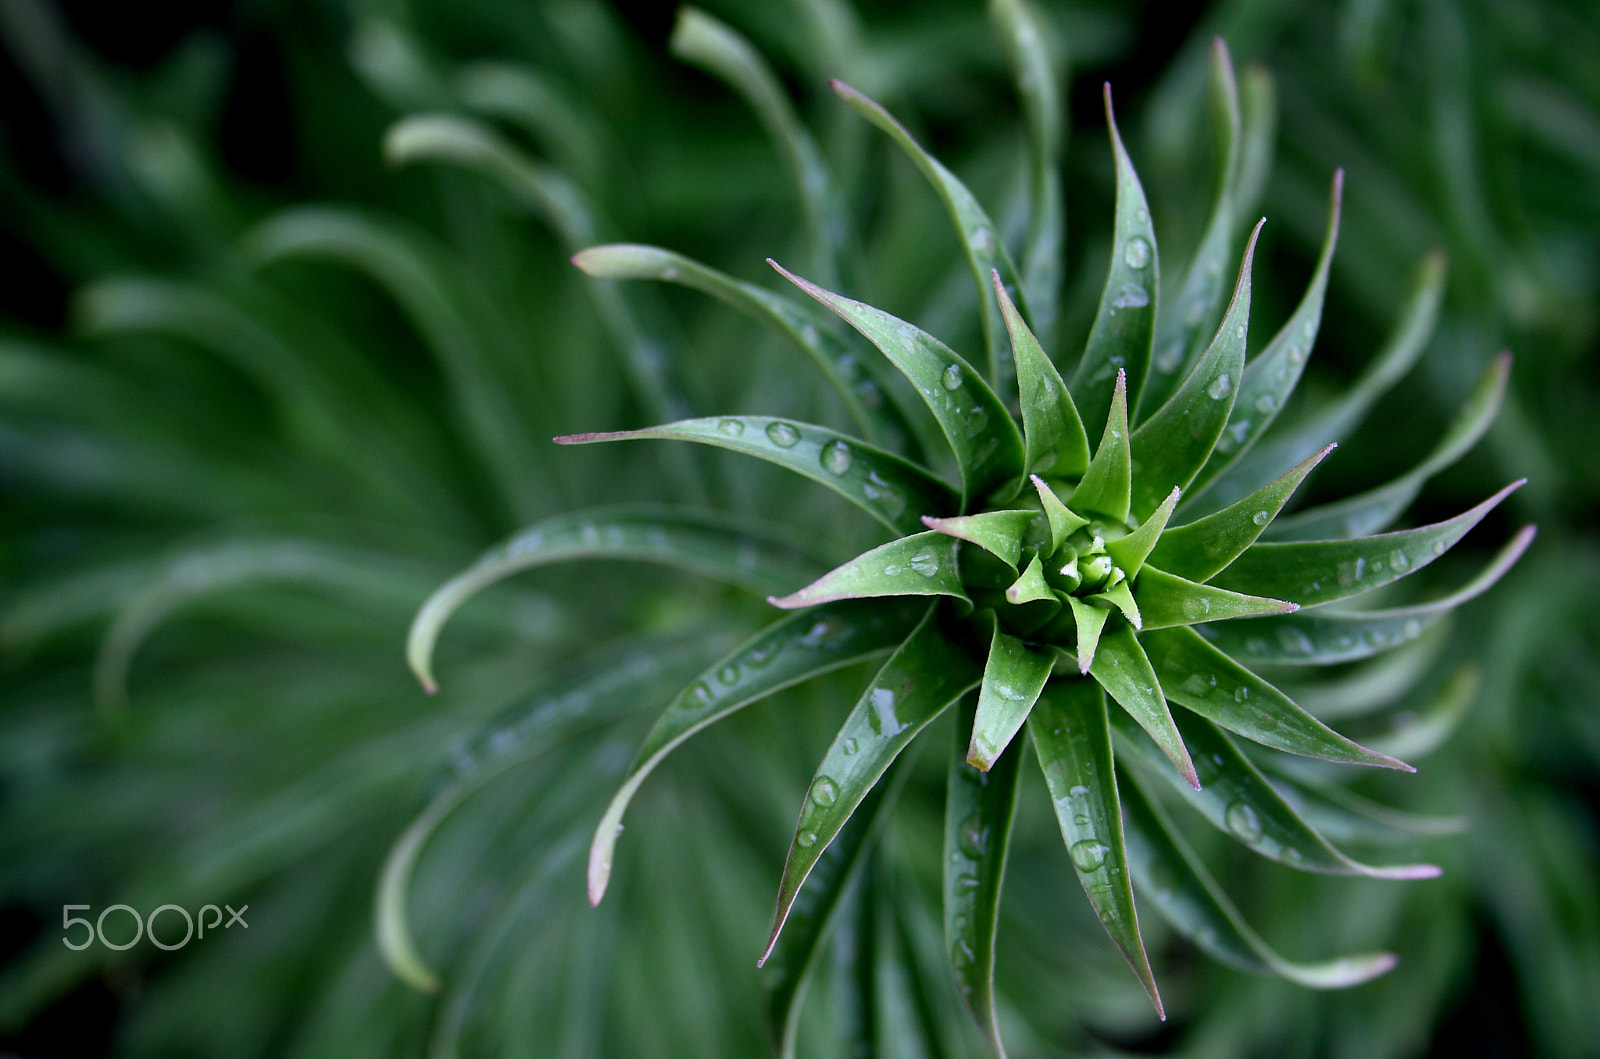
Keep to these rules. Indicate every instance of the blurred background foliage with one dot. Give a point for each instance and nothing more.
(260, 392)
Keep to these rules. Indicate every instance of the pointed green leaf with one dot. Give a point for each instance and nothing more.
(1328, 637)
(923, 564)
(1130, 552)
(1052, 433)
(1106, 486)
(1405, 344)
(985, 441)
(1063, 521)
(1238, 800)
(1119, 597)
(1340, 816)
(1190, 316)
(1121, 667)
(916, 684)
(1378, 684)
(896, 492)
(1124, 325)
(714, 545)
(1170, 875)
(1271, 376)
(857, 383)
(979, 807)
(1031, 587)
(1166, 600)
(1089, 620)
(1073, 740)
(1012, 678)
(1171, 446)
(1198, 550)
(794, 960)
(1312, 572)
(791, 650)
(999, 533)
(980, 237)
(1196, 675)
(1371, 511)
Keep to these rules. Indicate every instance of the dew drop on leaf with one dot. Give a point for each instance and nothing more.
(836, 457)
(1261, 518)
(824, 792)
(806, 839)
(1243, 821)
(951, 377)
(972, 836)
(848, 746)
(1241, 694)
(1350, 572)
(782, 434)
(728, 674)
(1142, 215)
(1221, 386)
(1136, 253)
(731, 427)
(925, 563)
(1266, 403)
(1399, 561)
(1089, 854)
(1296, 355)
(1132, 296)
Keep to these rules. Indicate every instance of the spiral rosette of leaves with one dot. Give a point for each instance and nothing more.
(1115, 600)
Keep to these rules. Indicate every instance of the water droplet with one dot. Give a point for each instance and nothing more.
(1142, 215)
(892, 570)
(1438, 547)
(1266, 404)
(757, 657)
(975, 422)
(925, 563)
(782, 434)
(1241, 694)
(1296, 355)
(1351, 571)
(836, 457)
(1375, 637)
(806, 839)
(1293, 856)
(1132, 296)
(1309, 330)
(1220, 387)
(808, 334)
(1090, 854)
(1399, 561)
(728, 674)
(1295, 642)
(951, 377)
(1243, 821)
(883, 494)
(824, 792)
(1261, 518)
(1413, 629)
(972, 837)
(700, 692)
(1136, 253)
(731, 427)
(966, 884)
(982, 240)
(848, 746)
(883, 718)
(1078, 791)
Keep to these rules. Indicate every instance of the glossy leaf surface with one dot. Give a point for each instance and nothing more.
(1121, 667)
(1106, 486)
(1052, 433)
(1012, 678)
(923, 564)
(1166, 600)
(999, 533)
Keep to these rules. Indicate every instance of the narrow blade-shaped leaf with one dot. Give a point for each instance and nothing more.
(1106, 487)
(1121, 667)
(794, 960)
(1052, 433)
(865, 397)
(1273, 455)
(1171, 446)
(999, 533)
(1271, 376)
(1196, 675)
(1072, 737)
(1166, 600)
(1170, 875)
(1312, 572)
(1198, 550)
(1062, 520)
(987, 447)
(1124, 325)
(1130, 551)
(1089, 621)
(1328, 637)
(1341, 816)
(1012, 678)
(1416, 735)
(923, 564)
(714, 545)
(1371, 511)
(980, 237)
(924, 676)
(979, 807)
(1030, 586)
(894, 491)
(1238, 800)
(787, 652)
(1182, 328)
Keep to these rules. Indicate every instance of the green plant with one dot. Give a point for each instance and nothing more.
(1151, 571)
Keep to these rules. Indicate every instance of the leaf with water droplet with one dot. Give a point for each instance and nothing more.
(1375, 509)
(718, 546)
(1106, 486)
(977, 833)
(1170, 875)
(1073, 741)
(925, 675)
(1312, 572)
(979, 242)
(1175, 441)
(787, 652)
(1264, 714)
(1052, 433)
(923, 564)
(1129, 552)
(1012, 677)
(1121, 333)
(990, 460)
(1200, 292)
(1343, 817)
(1199, 549)
(1122, 668)
(894, 491)
(1233, 784)
(1166, 600)
(999, 533)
